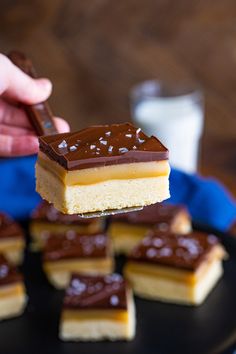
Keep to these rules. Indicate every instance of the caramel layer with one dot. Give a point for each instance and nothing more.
(179, 275)
(15, 289)
(84, 265)
(119, 230)
(101, 174)
(11, 244)
(85, 315)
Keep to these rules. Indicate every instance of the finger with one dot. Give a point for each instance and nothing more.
(11, 146)
(21, 87)
(12, 115)
(14, 131)
(62, 125)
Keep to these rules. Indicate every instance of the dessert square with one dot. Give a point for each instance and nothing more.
(97, 308)
(72, 252)
(12, 291)
(102, 168)
(45, 219)
(182, 269)
(128, 229)
(12, 240)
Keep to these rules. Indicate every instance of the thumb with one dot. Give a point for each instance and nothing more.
(15, 84)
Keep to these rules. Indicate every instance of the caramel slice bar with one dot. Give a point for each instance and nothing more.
(175, 268)
(72, 252)
(12, 240)
(97, 308)
(12, 290)
(46, 219)
(102, 168)
(128, 229)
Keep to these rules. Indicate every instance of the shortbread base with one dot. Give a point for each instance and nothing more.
(12, 300)
(99, 327)
(111, 194)
(13, 249)
(165, 289)
(59, 272)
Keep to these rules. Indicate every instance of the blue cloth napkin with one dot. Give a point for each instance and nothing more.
(17, 186)
(207, 200)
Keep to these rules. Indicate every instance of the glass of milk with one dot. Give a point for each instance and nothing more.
(173, 114)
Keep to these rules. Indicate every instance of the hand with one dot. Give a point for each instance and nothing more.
(17, 137)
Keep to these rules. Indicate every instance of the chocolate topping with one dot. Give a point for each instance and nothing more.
(47, 212)
(179, 251)
(9, 228)
(96, 292)
(73, 245)
(151, 215)
(8, 274)
(102, 145)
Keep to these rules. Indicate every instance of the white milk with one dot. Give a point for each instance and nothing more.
(177, 122)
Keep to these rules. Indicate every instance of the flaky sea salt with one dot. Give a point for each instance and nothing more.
(114, 300)
(73, 148)
(78, 286)
(141, 141)
(151, 252)
(110, 149)
(123, 150)
(103, 142)
(63, 144)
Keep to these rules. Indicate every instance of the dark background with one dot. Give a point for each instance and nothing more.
(94, 51)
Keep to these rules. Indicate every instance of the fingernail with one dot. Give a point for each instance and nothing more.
(46, 84)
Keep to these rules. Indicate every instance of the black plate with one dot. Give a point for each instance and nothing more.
(161, 328)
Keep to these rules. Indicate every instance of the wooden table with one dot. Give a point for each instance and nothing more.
(94, 51)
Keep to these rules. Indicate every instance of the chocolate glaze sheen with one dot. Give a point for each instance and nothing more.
(151, 215)
(73, 245)
(9, 228)
(102, 145)
(8, 273)
(178, 251)
(47, 212)
(96, 292)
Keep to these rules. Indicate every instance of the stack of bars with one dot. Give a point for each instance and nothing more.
(98, 303)
(166, 261)
(12, 290)
(108, 168)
